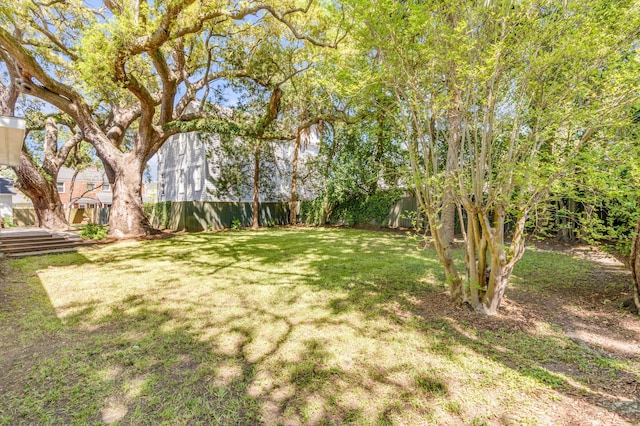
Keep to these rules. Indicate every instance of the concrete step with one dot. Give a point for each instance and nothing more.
(35, 243)
(12, 238)
(26, 241)
(41, 252)
(26, 247)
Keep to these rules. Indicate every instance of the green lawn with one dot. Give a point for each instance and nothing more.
(277, 326)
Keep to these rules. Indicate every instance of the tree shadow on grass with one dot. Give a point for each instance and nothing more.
(142, 362)
(392, 288)
(371, 274)
(137, 364)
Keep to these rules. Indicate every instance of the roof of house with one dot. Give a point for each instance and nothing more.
(6, 186)
(86, 200)
(88, 175)
(105, 198)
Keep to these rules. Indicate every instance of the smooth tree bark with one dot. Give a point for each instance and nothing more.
(293, 203)
(255, 205)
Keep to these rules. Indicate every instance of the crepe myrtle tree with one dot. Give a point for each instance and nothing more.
(114, 65)
(496, 100)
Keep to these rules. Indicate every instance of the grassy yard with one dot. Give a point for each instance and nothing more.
(299, 326)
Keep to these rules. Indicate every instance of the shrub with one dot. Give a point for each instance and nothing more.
(311, 211)
(372, 209)
(8, 221)
(94, 232)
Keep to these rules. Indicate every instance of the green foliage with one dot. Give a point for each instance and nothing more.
(234, 159)
(160, 212)
(367, 210)
(311, 211)
(148, 209)
(8, 221)
(94, 232)
(236, 224)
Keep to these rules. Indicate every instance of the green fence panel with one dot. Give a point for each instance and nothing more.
(404, 213)
(196, 216)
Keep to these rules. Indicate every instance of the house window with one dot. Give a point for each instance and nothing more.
(90, 187)
(60, 186)
(82, 206)
(106, 187)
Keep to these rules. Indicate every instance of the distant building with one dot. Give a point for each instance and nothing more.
(188, 169)
(91, 188)
(11, 198)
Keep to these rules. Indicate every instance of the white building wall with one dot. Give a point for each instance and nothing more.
(6, 205)
(187, 171)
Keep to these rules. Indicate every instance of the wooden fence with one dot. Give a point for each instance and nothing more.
(27, 216)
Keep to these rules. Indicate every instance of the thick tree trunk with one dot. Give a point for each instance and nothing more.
(43, 193)
(635, 265)
(126, 216)
(255, 222)
(49, 212)
(293, 216)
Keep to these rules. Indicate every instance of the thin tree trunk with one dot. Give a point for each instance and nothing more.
(448, 218)
(448, 213)
(566, 233)
(71, 188)
(453, 279)
(293, 216)
(255, 223)
(634, 261)
(326, 208)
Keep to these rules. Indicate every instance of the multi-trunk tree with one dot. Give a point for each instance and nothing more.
(496, 100)
(117, 64)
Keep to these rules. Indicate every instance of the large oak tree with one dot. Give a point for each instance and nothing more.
(122, 66)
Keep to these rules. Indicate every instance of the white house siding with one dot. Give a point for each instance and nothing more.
(186, 174)
(182, 169)
(6, 205)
